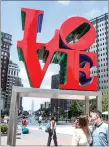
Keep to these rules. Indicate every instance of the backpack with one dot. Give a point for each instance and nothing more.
(25, 130)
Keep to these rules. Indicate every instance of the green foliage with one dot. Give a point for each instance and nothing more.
(92, 104)
(46, 112)
(4, 128)
(77, 107)
(61, 59)
(63, 69)
(105, 101)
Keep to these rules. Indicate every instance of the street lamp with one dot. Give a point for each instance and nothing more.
(58, 112)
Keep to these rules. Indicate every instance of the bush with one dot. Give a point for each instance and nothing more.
(4, 128)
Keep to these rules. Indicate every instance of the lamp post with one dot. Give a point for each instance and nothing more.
(58, 112)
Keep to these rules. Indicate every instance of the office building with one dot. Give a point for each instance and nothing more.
(57, 104)
(12, 79)
(46, 105)
(6, 42)
(101, 48)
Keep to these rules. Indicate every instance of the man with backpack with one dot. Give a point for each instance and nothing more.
(52, 132)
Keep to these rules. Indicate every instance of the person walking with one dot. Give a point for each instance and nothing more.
(82, 134)
(24, 122)
(52, 132)
(40, 122)
(99, 130)
(25, 130)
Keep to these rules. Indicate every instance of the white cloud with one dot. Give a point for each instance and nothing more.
(64, 2)
(23, 73)
(24, 77)
(95, 13)
(49, 74)
(91, 14)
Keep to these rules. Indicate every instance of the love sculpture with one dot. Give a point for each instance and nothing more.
(75, 62)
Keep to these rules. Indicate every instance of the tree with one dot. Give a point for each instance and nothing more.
(92, 104)
(105, 101)
(77, 107)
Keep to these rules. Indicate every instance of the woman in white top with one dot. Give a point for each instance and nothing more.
(82, 134)
(52, 132)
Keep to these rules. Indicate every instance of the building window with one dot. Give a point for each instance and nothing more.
(14, 73)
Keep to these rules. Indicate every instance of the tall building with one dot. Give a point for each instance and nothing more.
(46, 105)
(6, 40)
(12, 79)
(56, 104)
(101, 48)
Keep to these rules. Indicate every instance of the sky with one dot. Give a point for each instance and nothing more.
(55, 13)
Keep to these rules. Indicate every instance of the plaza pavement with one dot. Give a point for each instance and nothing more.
(60, 129)
(39, 137)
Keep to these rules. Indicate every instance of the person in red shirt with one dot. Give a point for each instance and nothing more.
(24, 121)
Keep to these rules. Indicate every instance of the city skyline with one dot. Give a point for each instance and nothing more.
(91, 10)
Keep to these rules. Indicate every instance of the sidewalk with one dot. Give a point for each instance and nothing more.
(39, 138)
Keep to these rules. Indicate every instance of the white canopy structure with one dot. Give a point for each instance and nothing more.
(105, 113)
(18, 92)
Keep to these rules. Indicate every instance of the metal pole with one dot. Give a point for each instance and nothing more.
(99, 102)
(12, 128)
(86, 105)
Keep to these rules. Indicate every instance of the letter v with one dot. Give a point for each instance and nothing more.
(27, 48)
